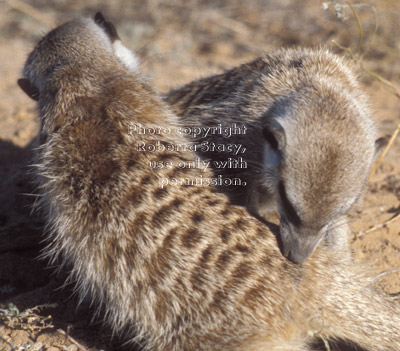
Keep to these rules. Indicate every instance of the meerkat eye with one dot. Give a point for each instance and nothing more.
(270, 138)
(290, 211)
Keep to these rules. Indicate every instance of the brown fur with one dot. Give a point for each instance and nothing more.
(309, 142)
(180, 267)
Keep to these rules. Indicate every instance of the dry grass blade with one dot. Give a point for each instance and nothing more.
(360, 44)
(228, 23)
(344, 49)
(388, 85)
(8, 342)
(30, 11)
(380, 275)
(28, 319)
(326, 344)
(358, 57)
(70, 338)
(384, 152)
(377, 226)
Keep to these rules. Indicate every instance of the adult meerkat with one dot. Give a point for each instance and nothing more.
(308, 138)
(180, 267)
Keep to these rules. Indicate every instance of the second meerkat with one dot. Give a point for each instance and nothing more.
(309, 141)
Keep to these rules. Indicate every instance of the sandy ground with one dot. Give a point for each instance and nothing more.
(177, 41)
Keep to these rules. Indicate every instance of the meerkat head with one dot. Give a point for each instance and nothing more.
(80, 42)
(315, 168)
(68, 64)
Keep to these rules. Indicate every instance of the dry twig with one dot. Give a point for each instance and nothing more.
(381, 274)
(70, 338)
(8, 342)
(326, 344)
(376, 226)
(26, 320)
(384, 152)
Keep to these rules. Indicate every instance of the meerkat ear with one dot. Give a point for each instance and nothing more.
(28, 88)
(273, 131)
(127, 57)
(108, 27)
(270, 138)
(99, 18)
(380, 145)
(274, 135)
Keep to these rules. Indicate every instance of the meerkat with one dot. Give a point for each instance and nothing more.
(177, 265)
(307, 146)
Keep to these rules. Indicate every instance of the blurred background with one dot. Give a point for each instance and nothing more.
(179, 41)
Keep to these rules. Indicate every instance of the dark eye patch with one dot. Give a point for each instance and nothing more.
(290, 212)
(270, 138)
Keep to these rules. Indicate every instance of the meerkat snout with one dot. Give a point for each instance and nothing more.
(299, 242)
